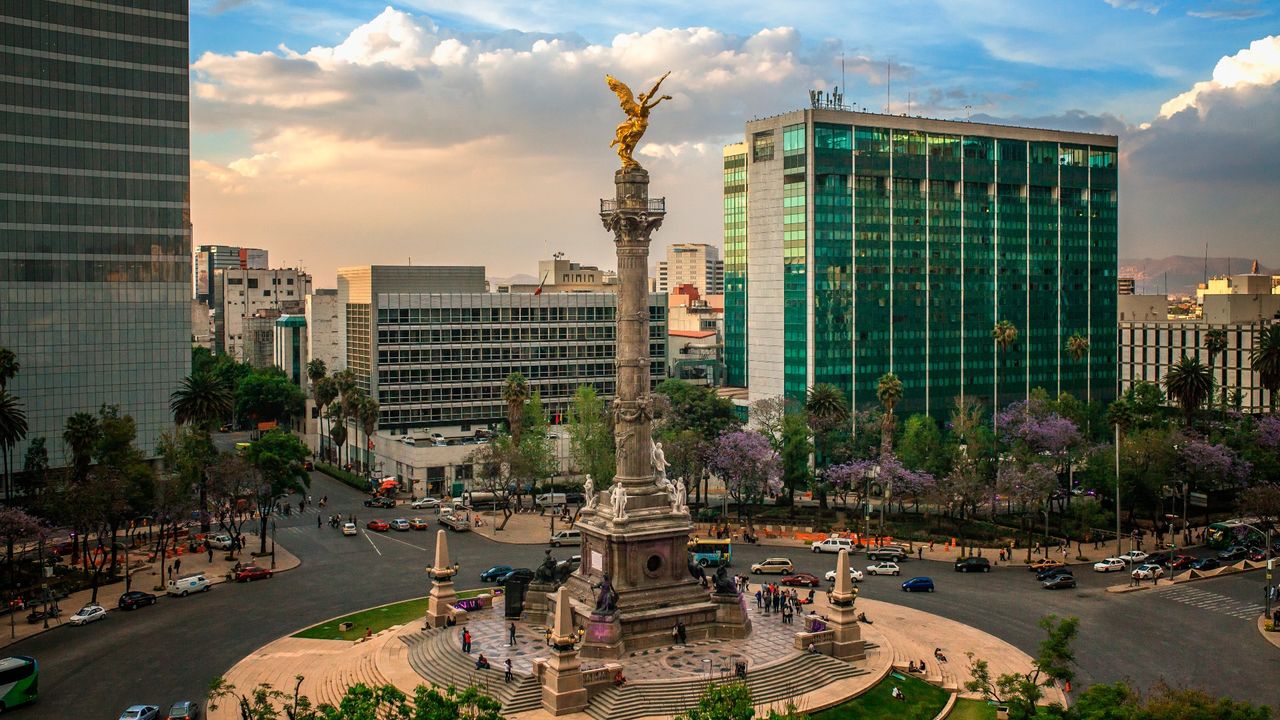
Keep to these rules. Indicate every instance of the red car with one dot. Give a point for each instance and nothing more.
(249, 573)
(1181, 562)
(379, 525)
(802, 579)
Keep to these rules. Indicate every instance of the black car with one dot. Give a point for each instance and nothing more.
(135, 599)
(1053, 573)
(380, 502)
(1234, 553)
(973, 564)
(1205, 563)
(574, 498)
(1058, 582)
(1160, 558)
(524, 574)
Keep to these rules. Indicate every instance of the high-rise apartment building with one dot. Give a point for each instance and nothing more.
(239, 295)
(696, 264)
(858, 244)
(95, 239)
(208, 259)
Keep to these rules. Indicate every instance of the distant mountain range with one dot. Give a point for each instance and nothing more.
(519, 279)
(1181, 273)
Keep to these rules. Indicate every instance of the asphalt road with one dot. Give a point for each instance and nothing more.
(171, 651)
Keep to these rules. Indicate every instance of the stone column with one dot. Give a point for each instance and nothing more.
(442, 597)
(632, 218)
(562, 689)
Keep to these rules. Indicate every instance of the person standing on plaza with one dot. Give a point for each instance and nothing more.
(466, 640)
(209, 547)
(318, 523)
(511, 635)
(177, 565)
(507, 676)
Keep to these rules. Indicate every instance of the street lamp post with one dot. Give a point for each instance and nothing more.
(1266, 587)
(1118, 551)
(273, 543)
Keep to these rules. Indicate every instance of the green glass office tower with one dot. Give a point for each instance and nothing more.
(858, 244)
(95, 240)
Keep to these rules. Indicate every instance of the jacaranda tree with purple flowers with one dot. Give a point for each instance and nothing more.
(749, 466)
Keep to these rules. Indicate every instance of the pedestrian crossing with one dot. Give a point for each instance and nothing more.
(1211, 601)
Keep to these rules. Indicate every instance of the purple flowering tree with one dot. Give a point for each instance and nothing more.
(848, 478)
(749, 466)
(1269, 432)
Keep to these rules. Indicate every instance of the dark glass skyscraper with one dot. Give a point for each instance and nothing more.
(95, 239)
(858, 244)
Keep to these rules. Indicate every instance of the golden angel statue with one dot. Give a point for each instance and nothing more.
(632, 129)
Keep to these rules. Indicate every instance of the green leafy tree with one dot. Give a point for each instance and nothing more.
(732, 701)
(1189, 383)
(35, 468)
(767, 415)
(268, 395)
(795, 456)
(9, 366)
(15, 525)
(1052, 665)
(316, 370)
(188, 453)
(921, 446)
(80, 434)
(1118, 701)
(1077, 346)
(1265, 360)
(203, 400)
(1146, 400)
(278, 457)
(590, 437)
(697, 408)
(13, 428)
(359, 702)
(827, 414)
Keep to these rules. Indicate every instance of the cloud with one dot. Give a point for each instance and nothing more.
(1150, 8)
(222, 6)
(1258, 64)
(1234, 14)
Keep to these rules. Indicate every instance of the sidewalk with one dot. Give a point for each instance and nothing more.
(521, 529)
(145, 577)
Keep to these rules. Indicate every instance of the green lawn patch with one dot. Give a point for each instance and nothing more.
(922, 702)
(970, 709)
(375, 619)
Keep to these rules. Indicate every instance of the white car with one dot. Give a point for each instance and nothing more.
(88, 614)
(884, 568)
(219, 542)
(426, 503)
(349, 528)
(833, 545)
(854, 574)
(779, 565)
(1109, 565)
(1134, 557)
(1148, 571)
(141, 712)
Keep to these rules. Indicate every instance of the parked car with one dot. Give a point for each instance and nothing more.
(1053, 572)
(308, 465)
(553, 499)
(135, 599)
(185, 710)
(800, 579)
(1134, 557)
(891, 553)
(832, 545)
(1059, 582)
(854, 575)
(378, 525)
(1158, 558)
(1109, 565)
(349, 528)
(779, 565)
(188, 584)
(973, 564)
(418, 524)
(1257, 554)
(574, 498)
(1235, 553)
(409, 440)
(400, 524)
(219, 542)
(88, 614)
(918, 583)
(1146, 571)
(495, 573)
(1205, 563)
(1181, 562)
(566, 537)
(380, 501)
(884, 568)
(141, 712)
(1045, 564)
(426, 503)
(249, 573)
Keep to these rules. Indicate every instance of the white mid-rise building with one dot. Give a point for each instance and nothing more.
(240, 293)
(696, 264)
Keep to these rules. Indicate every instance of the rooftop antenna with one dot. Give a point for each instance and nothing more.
(888, 86)
(908, 102)
(842, 83)
(1206, 264)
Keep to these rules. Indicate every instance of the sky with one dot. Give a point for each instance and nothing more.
(346, 132)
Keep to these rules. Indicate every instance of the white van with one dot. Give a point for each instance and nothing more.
(553, 499)
(566, 537)
(184, 586)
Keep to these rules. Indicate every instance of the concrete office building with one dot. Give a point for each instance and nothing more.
(696, 264)
(1151, 341)
(559, 276)
(95, 231)
(858, 244)
(208, 259)
(240, 294)
(325, 340)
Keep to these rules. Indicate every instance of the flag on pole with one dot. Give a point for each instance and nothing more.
(544, 282)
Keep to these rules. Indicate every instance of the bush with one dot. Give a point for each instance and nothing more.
(343, 476)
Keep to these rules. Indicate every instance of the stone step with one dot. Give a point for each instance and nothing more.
(434, 656)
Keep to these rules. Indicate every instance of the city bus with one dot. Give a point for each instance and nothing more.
(1223, 535)
(19, 681)
(710, 552)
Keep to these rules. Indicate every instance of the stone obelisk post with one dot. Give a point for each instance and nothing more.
(562, 688)
(442, 595)
(848, 643)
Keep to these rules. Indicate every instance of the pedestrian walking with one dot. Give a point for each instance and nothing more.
(506, 677)
(209, 547)
(177, 565)
(318, 523)
(466, 641)
(680, 632)
(760, 599)
(511, 636)
(920, 552)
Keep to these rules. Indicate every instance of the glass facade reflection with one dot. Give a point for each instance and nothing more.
(882, 243)
(95, 241)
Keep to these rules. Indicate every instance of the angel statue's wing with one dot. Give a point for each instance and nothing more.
(625, 98)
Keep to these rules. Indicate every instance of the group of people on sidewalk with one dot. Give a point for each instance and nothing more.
(773, 599)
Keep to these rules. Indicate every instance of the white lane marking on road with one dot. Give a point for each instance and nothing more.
(375, 547)
(415, 547)
(1213, 602)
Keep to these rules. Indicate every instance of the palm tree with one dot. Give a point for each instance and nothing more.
(367, 417)
(337, 431)
(889, 392)
(1215, 341)
(1265, 359)
(81, 433)
(515, 392)
(316, 370)
(13, 428)
(202, 400)
(325, 391)
(1189, 383)
(827, 410)
(9, 366)
(1077, 346)
(1005, 334)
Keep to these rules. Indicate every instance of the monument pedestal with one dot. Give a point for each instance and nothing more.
(732, 619)
(537, 604)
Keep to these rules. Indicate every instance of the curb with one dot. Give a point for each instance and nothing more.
(1271, 637)
(946, 709)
